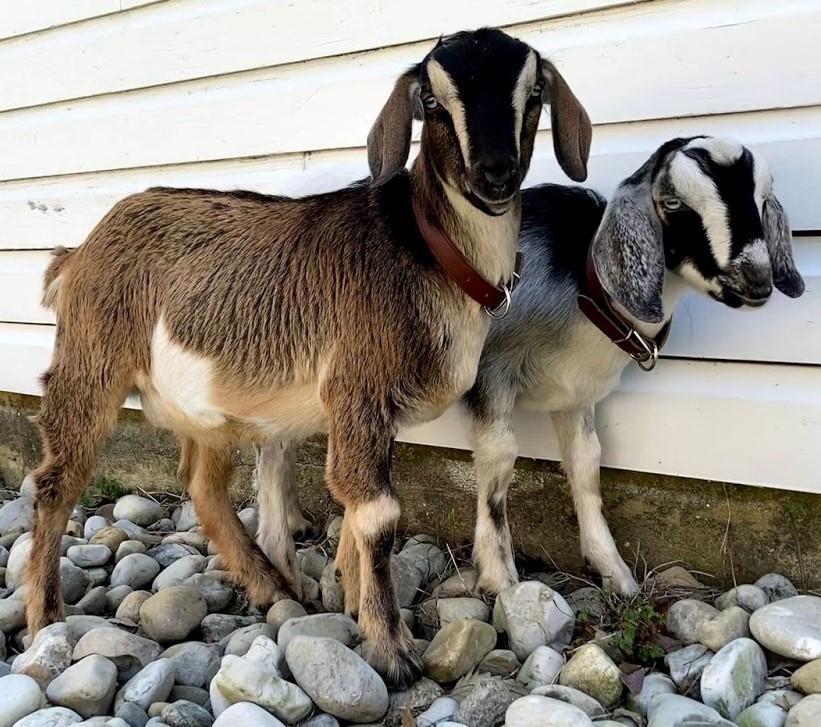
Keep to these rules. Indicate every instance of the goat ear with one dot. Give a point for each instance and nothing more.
(628, 250)
(570, 124)
(779, 244)
(390, 136)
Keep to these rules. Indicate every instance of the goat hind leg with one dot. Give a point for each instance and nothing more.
(246, 562)
(275, 470)
(581, 455)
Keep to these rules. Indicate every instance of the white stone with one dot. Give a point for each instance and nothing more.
(20, 695)
(441, 709)
(328, 625)
(686, 665)
(653, 687)
(93, 525)
(136, 570)
(86, 687)
(18, 559)
(16, 514)
(570, 695)
(776, 586)
(176, 573)
(673, 710)
(790, 627)
(89, 556)
(49, 654)
(246, 714)
(747, 596)
(762, 714)
(734, 678)
(151, 684)
(807, 713)
(537, 711)
(541, 667)
(128, 651)
(684, 618)
(51, 717)
(138, 510)
(532, 614)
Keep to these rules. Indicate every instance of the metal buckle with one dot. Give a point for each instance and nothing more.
(645, 362)
(504, 306)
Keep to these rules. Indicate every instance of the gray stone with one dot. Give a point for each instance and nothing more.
(242, 680)
(320, 720)
(240, 641)
(407, 580)
(138, 510)
(198, 541)
(337, 680)
(167, 553)
(247, 715)
(762, 714)
(12, 615)
(133, 714)
(128, 651)
(746, 596)
(428, 558)
(333, 595)
(151, 684)
(673, 710)
(776, 586)
(217, 594)
(194, 663)
(532, 614)
(732, 623)
(538, 711)
(81, 625)
(93, 525)
(17, 515)
(453, 609)
(486, 702)
(462, 583)
(197, 695)
(784, 698)
(74, 581)
(95, 601)
(50, 717)
(216, 626)
(413, 700)
(250, 519)
(48, 656)
(86, 687)
(128, 547)
(4, 557)
(88, 556)
(116, 595)
(176, 573)
(135, 532)
(185, 517)
(684, 618)
(734, 678)
(326, 625)
(97, 577)
(686, 665)
(500, 662)
(136, 570)
(653, 686)
(442, 708)
(172, 613)
(186, 714)
(129, 608)
(20, 695)
(790, 627)
(458, 648)
(283, 611)
(312, 561)
(573, 696)
(541, 667)
(163, 525)
(807, 713)
(310, 588)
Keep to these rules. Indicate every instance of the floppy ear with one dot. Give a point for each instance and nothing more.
(779, 244)
(628, 250)
(390, 136)
(570, 124)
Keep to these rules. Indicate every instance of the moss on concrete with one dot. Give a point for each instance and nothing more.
(660, 518)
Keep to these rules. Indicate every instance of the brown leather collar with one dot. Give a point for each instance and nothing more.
(595, 302)
(494, 298)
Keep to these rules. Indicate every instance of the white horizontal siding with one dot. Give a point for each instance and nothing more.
(100, 99)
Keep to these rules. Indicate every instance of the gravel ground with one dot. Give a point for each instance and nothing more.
(157, 635)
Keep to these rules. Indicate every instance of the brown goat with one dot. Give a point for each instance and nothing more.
(240, 317)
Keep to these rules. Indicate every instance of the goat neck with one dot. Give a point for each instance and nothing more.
(488, 242)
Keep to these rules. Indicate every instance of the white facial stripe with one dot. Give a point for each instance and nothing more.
(688, 271)
(447, 94)
(699, 191)
(723, 151)
(521, 92)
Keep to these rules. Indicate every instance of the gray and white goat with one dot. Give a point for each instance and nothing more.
(700, 214)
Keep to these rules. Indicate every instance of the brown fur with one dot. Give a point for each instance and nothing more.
(323, 312)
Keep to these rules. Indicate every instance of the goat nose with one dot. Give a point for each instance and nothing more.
(500, 173)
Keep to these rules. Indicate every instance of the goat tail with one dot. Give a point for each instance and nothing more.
(51, 279)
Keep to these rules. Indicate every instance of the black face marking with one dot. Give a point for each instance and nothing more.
(484, 67)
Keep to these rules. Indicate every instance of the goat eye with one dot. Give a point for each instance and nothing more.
(671, 204)
(537, 89)
(429, 101)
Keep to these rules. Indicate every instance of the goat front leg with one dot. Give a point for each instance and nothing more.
(581, 457)
(279, 513)
(358, 474)
(494, 456)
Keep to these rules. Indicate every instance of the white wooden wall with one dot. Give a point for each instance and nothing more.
(101, 98)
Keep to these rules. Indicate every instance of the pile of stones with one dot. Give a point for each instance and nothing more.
(156, 635)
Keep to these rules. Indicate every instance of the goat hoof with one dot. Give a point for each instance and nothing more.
(490, 586)
(398, 663)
